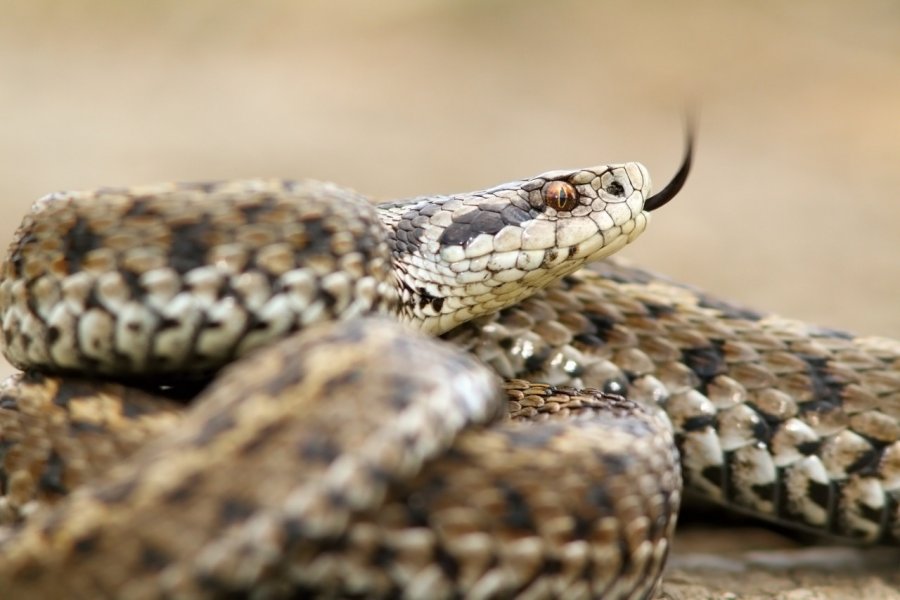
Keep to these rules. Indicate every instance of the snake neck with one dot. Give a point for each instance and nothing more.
(459, 257)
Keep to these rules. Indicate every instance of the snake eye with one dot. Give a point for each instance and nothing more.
(560, 195)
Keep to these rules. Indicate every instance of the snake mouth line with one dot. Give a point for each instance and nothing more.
(673, 187)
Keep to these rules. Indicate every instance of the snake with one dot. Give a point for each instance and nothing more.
(272, 388)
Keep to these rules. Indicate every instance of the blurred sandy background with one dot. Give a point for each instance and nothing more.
(793, 206)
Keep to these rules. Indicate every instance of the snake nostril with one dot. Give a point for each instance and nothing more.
(615, 189)
(560, 195)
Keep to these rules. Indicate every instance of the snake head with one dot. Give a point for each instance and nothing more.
(460, 256)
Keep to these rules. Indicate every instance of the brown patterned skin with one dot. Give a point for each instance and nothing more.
(370, 475)
(184, 278)
(622, 329)
(56, 434)
(359, 458)
(787, 421)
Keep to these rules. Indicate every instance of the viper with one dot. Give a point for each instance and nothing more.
(340, 449)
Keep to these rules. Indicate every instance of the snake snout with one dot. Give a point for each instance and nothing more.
(673, 187)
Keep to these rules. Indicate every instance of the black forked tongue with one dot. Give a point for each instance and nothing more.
(673, 187)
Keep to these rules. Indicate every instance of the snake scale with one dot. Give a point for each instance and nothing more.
(342, 450)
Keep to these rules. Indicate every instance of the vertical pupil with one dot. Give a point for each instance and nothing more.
(560, 195)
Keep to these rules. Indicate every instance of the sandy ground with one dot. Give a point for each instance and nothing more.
(793, 205)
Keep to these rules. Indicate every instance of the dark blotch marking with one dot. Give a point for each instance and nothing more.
(831, 333)
(602, 325)
(821, 493)
(866, 464)
(768, 491)
(762, 431)
(73, 389)
(827, 387)
(262, 205)
(51, 479)
(517, 514)
(550, 255)
(140, 206)
(318, 448)
(809, 448)
(403, 391)
(354, 332)
(870, 513)
(597, 495)
(487, 222)
(380, 475)
(188, 249)
(615, 463)
(53, 334)
(218, 424)
(346, 379)
(659, 310)
(116, 492)
(383, 557)
(167, 323)
(233, 510)
(337, 498)
(203, 186)
(133, 410)
(134, 285)
(293, 529)
(429, 210)
(86, 543)
(891, 507)
(583, 528)
(536, 361)
(426, 299)
(153, 559)
(263, 436)
(17, 254)
(588, 339)
(456, 234)
(286, 378)
(86, 427)
(706, 362)
(185, 489)
(728, 309)
(5, 445)
(8, 402)
(715, 474)
(513, 215)
(34, 377)
(698, 423)
(552, 566)
(447, 563)
(79, 241)
(329, 298)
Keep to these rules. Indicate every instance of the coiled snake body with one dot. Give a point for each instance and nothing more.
(345, 454)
